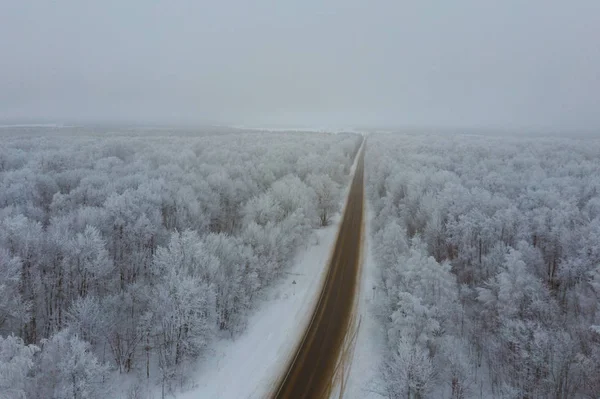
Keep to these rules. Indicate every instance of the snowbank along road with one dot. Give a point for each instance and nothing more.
(312, 370)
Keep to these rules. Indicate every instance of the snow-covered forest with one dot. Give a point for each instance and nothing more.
(131, 252)
(488, 251)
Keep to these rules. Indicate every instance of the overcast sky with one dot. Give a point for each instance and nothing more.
(525, 63)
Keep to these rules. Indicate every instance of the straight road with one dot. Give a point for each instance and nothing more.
(312, 370)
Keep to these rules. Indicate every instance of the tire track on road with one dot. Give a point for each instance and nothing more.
(312, 371)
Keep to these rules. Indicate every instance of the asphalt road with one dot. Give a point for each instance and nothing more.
(312, 370)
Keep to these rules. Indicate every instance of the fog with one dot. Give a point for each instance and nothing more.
(502, 64)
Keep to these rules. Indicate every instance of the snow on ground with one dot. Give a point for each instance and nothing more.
(370, 344)
(249, 366)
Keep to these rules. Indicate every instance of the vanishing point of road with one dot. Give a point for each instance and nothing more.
(312, 370)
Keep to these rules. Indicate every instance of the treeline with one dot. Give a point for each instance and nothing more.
(133, 252)
(489, 254)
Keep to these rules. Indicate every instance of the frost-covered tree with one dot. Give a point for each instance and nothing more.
(75, 373)
(146, 246)
(16, 361)
(512, 224)
(263, 209)
(408, 372)
(328, 196)
(91, 265)
(13, 310)
(24, 239)
(294, 195)
(232, 291)
(181, 321)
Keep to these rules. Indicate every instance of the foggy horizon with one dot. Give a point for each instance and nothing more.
(508, 66)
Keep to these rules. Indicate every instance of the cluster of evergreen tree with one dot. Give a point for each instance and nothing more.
(132, 252)
(489, 255)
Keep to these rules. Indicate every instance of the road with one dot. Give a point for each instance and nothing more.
(312, 370)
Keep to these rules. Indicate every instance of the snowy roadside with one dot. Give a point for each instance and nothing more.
(362, 378)
(250, 365)
(370, 343)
